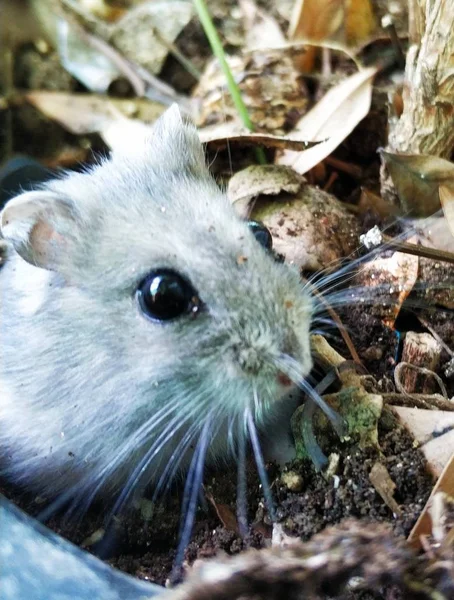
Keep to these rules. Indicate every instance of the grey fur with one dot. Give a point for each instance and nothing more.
(82, 370)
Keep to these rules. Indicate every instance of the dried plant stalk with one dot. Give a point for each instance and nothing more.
(426, 125)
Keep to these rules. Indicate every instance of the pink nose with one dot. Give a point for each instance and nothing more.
(283, 379)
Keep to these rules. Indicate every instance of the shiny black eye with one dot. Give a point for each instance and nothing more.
(262, 234)
(164, 295)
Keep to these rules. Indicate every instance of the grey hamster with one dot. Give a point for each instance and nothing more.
(136, 308)
(37, 564)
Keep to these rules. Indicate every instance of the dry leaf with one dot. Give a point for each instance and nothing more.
(220, 136)
(417, 178)
(446, 193)
(385, 486)
(143, 35)
(331, 120)
(316, 21)
(225, 514)
(256, 180)
(370, 202)
(390, 280)
(434, 430)
(89, 113)
(445, 485)
(350, 22)
(359, 21)
(271, 88)
(262, 30)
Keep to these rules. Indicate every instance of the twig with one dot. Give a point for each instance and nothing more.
(145, 84)
(415, 250)
(405, 365)
(344, 333)
(185, 62)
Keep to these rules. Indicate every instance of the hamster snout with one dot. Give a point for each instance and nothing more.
(136, 308)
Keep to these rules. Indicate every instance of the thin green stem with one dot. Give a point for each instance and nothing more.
(218, 51)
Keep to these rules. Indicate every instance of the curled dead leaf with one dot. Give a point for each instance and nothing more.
(446, 193)
(269, 180)
(417, 178)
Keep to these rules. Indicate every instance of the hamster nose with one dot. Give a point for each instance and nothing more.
(284, 379)
(249, 360)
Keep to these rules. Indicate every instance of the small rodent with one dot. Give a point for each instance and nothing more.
(137, 308)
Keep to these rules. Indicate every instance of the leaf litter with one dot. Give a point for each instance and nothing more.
(398, 442)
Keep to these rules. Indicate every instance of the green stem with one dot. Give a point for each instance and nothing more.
(218, 51)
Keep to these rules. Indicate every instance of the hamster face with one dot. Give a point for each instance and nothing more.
(95, 382)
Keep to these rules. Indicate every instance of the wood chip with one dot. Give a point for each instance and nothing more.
(385, 486)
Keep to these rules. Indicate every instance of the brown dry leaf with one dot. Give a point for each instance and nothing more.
(417, 178)
(220, 136)
(271, 87)
(391, 280)
(444, 485)
(102, 10)
(359, 21)
(446, 193)
(385, 486)
(316, 21)
(256, 180)
(90, 113)
(331, 120)
(262, 30)
(434, 430)
(225, 514)
(370, 202)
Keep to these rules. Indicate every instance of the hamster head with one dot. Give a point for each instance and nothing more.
(138, 307)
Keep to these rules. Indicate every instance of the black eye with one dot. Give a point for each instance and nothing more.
(262, 234)
(165, 295)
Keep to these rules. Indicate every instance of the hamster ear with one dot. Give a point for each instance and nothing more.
(178, 141)
(41, 227)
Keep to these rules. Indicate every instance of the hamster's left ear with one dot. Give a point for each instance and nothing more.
(41, 226)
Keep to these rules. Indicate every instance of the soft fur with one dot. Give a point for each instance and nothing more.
(82, 369)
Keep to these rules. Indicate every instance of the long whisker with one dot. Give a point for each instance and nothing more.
(291, 368)
(241, 497)
(259, 461)
(192, 489)
(168, 475)
(171, 429)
